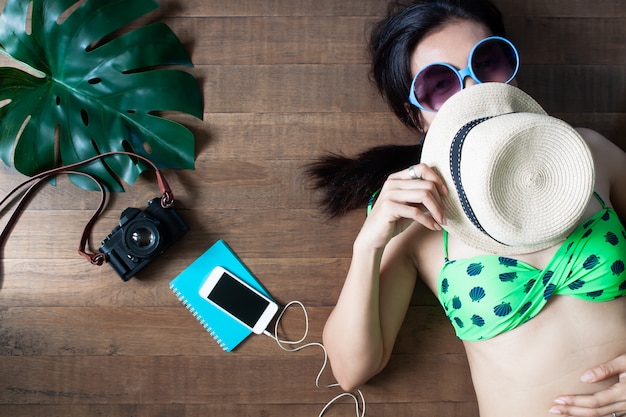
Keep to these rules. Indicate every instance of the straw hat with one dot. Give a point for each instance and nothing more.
(518, 179)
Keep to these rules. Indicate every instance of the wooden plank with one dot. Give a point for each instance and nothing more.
(576, 89)
(75, 283)
(568, 41)
(236, 8)
(57, 282)
(231, 378)
(259, 232)
(284, 40)
(299, 135)
(173, 331)
(343, 408)
(376, 8)
(562, 8)
(288, 88)
(132, 331)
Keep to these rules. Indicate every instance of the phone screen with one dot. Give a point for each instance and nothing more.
(238, 300)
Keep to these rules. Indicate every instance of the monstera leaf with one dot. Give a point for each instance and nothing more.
(92, 86)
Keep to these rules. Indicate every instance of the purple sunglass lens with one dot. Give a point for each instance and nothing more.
(494, 61)
(435, 85)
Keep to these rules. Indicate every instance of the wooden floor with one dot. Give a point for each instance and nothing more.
(283, 81)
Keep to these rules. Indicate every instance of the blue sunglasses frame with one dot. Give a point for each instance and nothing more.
(465, 72)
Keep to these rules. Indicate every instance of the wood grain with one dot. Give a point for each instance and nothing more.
(283, 82)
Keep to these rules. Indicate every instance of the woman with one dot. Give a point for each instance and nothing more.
(401, 239)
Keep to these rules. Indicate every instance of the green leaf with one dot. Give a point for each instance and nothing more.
(93, 88)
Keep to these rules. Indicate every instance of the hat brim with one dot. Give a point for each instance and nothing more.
(528, 177)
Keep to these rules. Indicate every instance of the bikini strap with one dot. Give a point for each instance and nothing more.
(600, 200)
(445, 245)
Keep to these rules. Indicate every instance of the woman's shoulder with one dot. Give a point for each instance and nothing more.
(599, 143)
(607, 155)
(610, 166)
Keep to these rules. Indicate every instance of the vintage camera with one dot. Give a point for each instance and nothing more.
(142, 236)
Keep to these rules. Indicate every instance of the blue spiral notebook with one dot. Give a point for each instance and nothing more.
(227, 331)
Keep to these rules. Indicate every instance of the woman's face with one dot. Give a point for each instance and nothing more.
(452, 43)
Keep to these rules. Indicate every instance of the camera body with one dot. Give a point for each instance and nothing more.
(141, 236)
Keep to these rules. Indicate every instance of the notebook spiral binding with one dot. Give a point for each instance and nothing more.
(198, 317)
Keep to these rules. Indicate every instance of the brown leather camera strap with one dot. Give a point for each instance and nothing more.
(167, 198)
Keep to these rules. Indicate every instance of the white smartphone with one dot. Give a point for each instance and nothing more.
(238, 299)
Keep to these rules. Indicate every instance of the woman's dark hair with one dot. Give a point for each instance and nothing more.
(347, 183)
(394, 38)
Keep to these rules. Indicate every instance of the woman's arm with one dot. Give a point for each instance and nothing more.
(362, 328)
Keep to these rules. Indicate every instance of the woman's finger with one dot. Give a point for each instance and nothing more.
(421, 172)
(415, 203)
(605, 370)
(599, 404)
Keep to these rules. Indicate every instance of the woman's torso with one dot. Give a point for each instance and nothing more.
(521, 371)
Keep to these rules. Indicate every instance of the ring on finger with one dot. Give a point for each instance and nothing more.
(412, 173)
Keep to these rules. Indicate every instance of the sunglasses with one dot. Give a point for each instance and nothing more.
(493, 59)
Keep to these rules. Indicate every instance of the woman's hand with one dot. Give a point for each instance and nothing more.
(602, 403)
(403, 200)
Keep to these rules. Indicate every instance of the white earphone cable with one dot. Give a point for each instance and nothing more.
(284, 345)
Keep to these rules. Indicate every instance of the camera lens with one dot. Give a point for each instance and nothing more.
(142, 237)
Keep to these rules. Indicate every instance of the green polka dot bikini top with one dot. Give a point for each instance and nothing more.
(488, 295)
